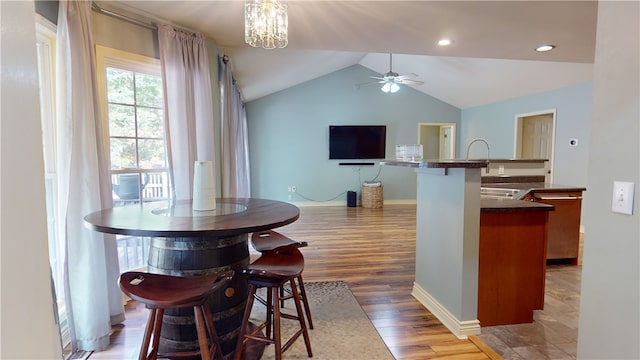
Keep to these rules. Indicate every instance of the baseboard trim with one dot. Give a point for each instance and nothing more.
(461, 329)
(344, 203)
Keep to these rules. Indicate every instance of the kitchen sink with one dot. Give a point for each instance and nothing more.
(491, 192)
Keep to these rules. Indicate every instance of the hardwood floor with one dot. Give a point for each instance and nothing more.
(373, 251)
(554, 332)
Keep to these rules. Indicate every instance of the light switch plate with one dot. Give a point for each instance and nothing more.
(622, 200)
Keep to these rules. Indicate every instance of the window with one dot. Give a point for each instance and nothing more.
(133, 111)
(45, 46)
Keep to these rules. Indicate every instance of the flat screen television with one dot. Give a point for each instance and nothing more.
(357, 141)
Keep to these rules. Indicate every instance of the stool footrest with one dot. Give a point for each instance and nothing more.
(289, 316)
(260, 338)
(291, 340)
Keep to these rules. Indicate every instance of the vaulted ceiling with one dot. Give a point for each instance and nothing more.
(492, 57)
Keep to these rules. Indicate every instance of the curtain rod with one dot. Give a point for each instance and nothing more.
(152, 26)
(133, 21)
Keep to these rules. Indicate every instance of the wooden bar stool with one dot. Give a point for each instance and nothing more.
(272, 270)
(160, 292)
(268, 240)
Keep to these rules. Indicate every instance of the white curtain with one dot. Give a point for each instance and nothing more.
(93, 299)
(188, 105)
(235, 141)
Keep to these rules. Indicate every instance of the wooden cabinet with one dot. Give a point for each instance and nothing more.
(511, 267)
(564, 222)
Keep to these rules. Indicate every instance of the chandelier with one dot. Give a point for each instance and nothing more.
(266, 23)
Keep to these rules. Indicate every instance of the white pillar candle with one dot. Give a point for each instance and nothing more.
(204, 187)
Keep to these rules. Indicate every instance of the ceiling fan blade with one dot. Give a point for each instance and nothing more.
(369, 83)
(410, 82)
(376, 77)
(407, 76)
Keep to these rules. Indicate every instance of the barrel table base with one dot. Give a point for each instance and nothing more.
(195, 256)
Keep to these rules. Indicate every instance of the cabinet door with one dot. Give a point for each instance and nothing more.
(564, 223)
(511, 266)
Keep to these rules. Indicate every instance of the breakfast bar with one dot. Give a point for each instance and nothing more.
(464, 244)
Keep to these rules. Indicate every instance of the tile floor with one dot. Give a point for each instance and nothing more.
(554, 331)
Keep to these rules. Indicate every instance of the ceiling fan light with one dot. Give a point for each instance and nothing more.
(390, 87)
(266, 23)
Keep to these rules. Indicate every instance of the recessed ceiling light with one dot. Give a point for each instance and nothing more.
(444, 42)
(543, 48)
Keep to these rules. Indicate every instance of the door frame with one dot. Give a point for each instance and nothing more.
(517, 142)
(452, 126)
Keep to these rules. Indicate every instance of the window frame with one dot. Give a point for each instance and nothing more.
(46, 34)
(130, 246)
(109, 57)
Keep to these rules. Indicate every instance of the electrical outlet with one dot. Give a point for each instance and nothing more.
(622, 199)
(289, 188)
(501, 170)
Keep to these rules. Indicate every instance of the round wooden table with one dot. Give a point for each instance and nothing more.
(185, 242)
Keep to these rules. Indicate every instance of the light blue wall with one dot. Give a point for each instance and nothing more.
(289, 136)
(496, 123)
(610, 291)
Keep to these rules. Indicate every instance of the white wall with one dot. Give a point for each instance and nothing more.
(610, 301)
(28, 330)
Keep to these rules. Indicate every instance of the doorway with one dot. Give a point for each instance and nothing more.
(535, 137)
(437, 140)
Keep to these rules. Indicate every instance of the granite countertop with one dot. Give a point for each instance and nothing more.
(511, 205)
(454, 163)
(529, 160)
(438, 164)
(527, 187)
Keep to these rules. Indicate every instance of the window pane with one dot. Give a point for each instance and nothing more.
(120, 86)
(150, 123)
(122, 120)
(123, 154)
(156, 186)
(148, 90)
(126, 186)
(151, 154)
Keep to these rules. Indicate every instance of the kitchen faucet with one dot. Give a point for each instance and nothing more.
(488, 150)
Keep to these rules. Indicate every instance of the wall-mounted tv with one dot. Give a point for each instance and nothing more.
(357, 141)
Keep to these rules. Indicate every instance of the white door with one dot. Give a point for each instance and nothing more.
(535, 137)
(437, 140)
(446, 147)
(537, 132)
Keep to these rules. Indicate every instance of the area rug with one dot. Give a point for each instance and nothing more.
(341, 328)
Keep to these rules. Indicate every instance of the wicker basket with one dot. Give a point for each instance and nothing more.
(372, 197)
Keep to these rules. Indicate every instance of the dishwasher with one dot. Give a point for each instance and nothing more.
(563, 241)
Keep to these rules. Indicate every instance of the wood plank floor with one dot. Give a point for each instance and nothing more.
(373, 251)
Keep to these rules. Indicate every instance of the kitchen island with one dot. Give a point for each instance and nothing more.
(448, 245)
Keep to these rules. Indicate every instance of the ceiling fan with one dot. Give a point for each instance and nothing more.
(393, 80)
